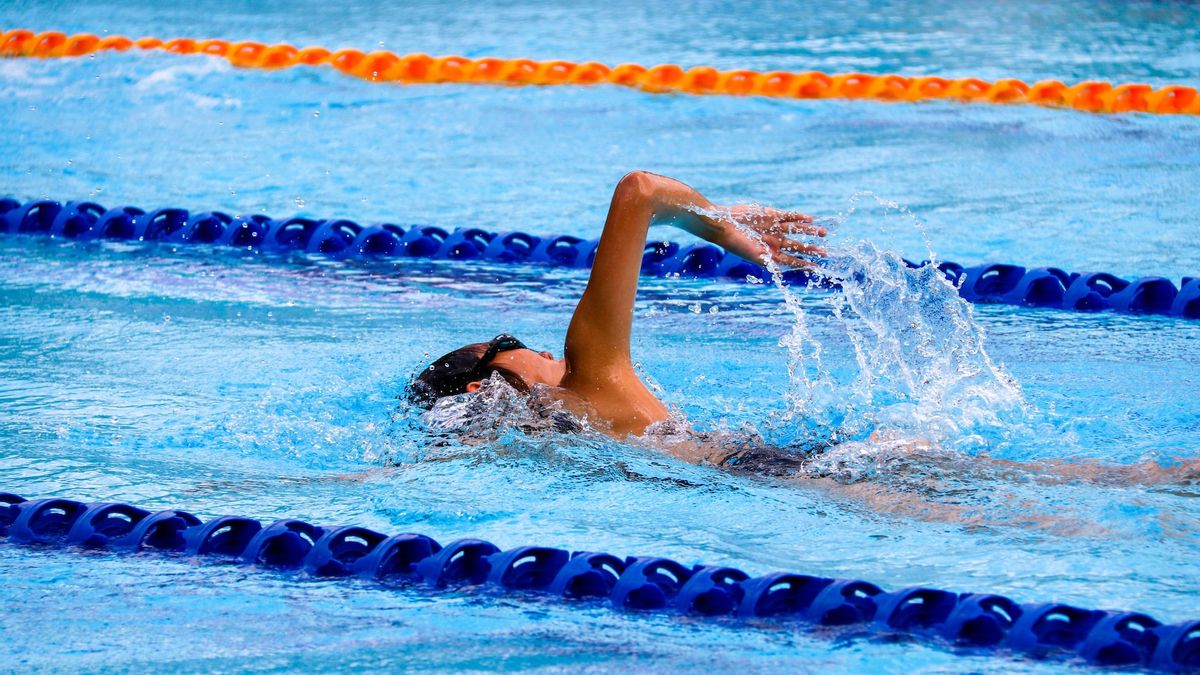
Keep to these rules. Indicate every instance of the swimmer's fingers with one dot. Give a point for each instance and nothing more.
(793, 247)
(770, 220)
(795, 217)
(807, 228)
(787, 260)
(787, 253)
(794, 222)
(772, 214)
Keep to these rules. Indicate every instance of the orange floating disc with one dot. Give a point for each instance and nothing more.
(1087, 96)
(213, 47)
(968, 88)
(888, 88)
(627, 74)
(246, 54)
(590, 73)
(312, 56)
(118, 43)
(346, 60)
(451, 69)
(851, 85)
(81, 44)
(921, 88)
(1172, 100)
(278, 56)
(663, 77)
(181, 46)
(381, 66)
(519, 71)
(812, 84)
(1007, 91)
(147, 43)
(700, 80)
(16, 42)
(1047, 92)
(485, 70)
(777, 83)
(1127, 98)
(554, 72)
(45, 43)
(415, 68)
(739, 82)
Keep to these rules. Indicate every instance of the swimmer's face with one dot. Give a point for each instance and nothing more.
(532, 367)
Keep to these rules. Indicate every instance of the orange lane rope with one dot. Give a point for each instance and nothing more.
(384, 66)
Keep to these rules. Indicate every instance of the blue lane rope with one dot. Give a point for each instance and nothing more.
(996, 283)
(973, 622)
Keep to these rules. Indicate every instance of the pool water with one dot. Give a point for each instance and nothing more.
(229, 383)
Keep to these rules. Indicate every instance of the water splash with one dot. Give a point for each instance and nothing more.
(920, 375)
(497, 409)
(922, 369)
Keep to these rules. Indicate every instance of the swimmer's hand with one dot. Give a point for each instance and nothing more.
(760, 233)
(757, 233)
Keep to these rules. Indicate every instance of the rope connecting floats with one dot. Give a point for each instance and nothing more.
(992, 283)
(971, 621)
(385, 66)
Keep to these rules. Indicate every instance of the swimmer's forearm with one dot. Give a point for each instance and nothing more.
(677, 204)
(760, 234)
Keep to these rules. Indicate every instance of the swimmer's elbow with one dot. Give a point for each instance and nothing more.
(639, 185)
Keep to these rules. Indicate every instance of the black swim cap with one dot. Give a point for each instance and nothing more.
(450, 374)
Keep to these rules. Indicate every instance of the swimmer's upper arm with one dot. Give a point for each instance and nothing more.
(598, 338)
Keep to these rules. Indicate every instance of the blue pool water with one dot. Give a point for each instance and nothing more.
(227, 383)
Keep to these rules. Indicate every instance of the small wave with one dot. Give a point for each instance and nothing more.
(186, 73)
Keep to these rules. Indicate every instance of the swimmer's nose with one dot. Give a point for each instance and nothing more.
(547, 355)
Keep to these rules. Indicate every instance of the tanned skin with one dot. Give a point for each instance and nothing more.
(596, 376)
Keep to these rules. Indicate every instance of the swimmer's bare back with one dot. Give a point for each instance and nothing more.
(600, 379)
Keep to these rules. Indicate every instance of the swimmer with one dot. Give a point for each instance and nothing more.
(595, 379)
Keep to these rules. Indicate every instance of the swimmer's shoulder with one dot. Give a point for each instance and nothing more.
(621, 410)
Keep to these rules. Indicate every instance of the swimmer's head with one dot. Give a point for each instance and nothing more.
(464, 369)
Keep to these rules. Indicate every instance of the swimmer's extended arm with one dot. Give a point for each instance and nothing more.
(598, 337)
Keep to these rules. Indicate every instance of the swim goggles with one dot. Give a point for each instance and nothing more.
(497, 345)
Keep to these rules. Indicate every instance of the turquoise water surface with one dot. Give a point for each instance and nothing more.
(228, 383)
